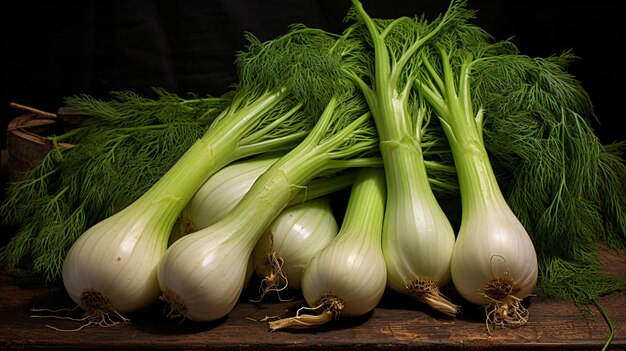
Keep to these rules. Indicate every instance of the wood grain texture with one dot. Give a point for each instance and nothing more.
(397, 323)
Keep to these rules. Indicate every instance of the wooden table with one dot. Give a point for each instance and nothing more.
(397, 324)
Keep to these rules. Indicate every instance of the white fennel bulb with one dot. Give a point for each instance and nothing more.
(494, 262)
(417, 236)
(222, 191)
(112, 265)
(211, 286)
(294, 237)
(111, 268)
(348, 277)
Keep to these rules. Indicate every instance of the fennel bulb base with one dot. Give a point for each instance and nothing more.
(329, 307)
(503, 309)
(97, 310)
(176, 308)
(188, 226)
(427, 291)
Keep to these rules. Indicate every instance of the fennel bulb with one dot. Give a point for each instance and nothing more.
(220, 193)
(494, 262)
(294, 237)
(417, 238)
(116, 274)
(111, 267)
(348, 277)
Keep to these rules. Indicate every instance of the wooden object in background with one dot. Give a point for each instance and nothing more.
(27, 138)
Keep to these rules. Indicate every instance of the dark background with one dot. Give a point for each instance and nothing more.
(53, 49)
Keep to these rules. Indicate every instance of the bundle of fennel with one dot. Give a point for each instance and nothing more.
(131, 142)
(529, 119)
(566, 188)
(452, 117)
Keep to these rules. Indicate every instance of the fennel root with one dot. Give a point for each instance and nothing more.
(275, 278)
(503, 308)
(176, 306)
(97, 310)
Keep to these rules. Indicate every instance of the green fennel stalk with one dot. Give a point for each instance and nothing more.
(417, 236)
(564, 186)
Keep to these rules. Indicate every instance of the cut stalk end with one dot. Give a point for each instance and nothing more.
(427, 291)
(328, 307)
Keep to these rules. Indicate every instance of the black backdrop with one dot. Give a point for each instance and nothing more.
(52, 49)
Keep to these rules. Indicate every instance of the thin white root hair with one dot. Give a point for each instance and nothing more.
(100, 314)
(175, 307)
(506, 314)
(275, 279)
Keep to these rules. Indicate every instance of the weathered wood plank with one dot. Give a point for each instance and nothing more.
(396, 324)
